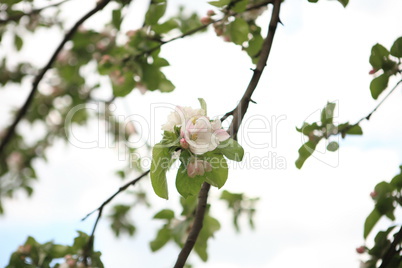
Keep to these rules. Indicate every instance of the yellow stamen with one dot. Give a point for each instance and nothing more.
(193, 137)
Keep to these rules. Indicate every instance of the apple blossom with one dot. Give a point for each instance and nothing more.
(199, 135)
(202, 135)
(180, 116)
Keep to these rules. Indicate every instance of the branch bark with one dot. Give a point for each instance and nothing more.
(238, 114)
(21, 113)
(241, 108)
(196, 228)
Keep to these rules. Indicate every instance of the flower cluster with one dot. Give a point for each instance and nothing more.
(197, 132)
(201, 145)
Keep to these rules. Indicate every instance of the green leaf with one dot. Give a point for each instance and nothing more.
(370, 222)
(203, 104)
(219, 174)
(231, 149)
(124, 86)
(18, 42)
(116, 18)
(164, 214)
(385, 206)
(238, 31)
(210, 226)
(355, 130)
(161, 239)
(383, 189)
(240, 6)
(165, 27)
(378, 85)
(327, 114)
(166, 85)
(379, 54)
(306, 128)
(305, 151)
(155, 12)
(220, 3)
(396, 49)
(160, 164)
(344, 2)
(313, 1)
(187, 186)
(120, 222)
(397, 182)
(254, 45)
(333, 146)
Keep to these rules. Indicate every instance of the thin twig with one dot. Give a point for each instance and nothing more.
(192, 31)
(121, 189)
(32, 12)
(89, 246)
(21, 113)
(367, 117)
(239, 113)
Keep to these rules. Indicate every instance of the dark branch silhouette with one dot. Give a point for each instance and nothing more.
(21, 113)
(241, 108)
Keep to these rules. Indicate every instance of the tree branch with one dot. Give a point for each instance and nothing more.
(32, 12)
(10, 131)
(241, 108)
(196, 228)
(238, 113)
(192, 31)
(367, 117)
(389, 254)
(89, 246)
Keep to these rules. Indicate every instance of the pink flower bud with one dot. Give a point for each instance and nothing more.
(218, 31)
(131, 33)
(360, 249)
(210, 13)
(207, 166)
(373, 194)
(206, 20)
(105, 59)
(373, 71)
(195, 168)
(191, 172)
(226, 38)
(184, 143)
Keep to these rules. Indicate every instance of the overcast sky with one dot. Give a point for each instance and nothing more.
(306, 218)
